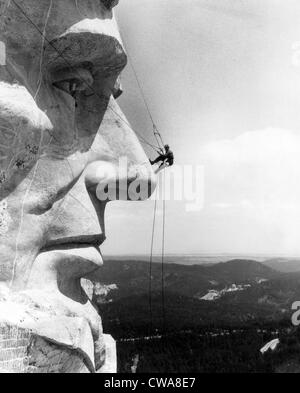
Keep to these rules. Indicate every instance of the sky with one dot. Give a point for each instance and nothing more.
(222, 80)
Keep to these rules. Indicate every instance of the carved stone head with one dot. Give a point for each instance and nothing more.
(62, 136)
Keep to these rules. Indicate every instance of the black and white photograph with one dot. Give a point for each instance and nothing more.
(149, 189)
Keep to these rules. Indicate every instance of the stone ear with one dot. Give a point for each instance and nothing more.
(109, 4)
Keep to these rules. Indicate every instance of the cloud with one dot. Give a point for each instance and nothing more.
(256, 169)
(252, 190)
(256, 146)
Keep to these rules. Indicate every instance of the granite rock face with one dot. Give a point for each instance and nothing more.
(110, 3)
(66, 150)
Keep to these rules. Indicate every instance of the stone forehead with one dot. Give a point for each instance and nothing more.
(21, 20)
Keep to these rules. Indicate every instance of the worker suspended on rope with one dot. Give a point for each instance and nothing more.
(166, 158)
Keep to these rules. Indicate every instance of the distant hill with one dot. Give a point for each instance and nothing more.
(132, 277)
(243, 292)
(190, 259)
(243, 271)
(286, 265)
(214, 318)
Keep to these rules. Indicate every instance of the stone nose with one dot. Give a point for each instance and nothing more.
(119, 168)
(120, 181)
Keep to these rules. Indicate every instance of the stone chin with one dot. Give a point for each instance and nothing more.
(54, 307)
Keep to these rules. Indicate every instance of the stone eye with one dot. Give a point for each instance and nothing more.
(70, 87)
(74, 81)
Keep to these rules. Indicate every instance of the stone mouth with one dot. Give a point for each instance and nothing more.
(69, 242)
(85, 248)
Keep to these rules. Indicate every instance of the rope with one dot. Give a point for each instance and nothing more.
(151, 263)
(163, 300)
(142, 139)
(158, 136)
(156, 132)
(42, 50)
(163, 257)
